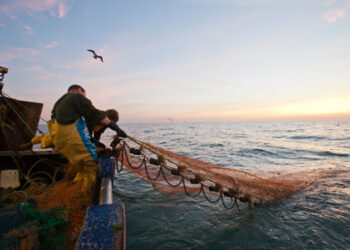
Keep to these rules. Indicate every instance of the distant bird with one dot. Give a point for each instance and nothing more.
(95, 56)
(169, 119)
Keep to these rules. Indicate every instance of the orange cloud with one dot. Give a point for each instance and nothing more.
(336, 14)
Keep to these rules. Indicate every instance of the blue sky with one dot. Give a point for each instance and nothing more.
(191, 60)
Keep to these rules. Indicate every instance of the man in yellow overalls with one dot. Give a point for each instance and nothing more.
(71, 137)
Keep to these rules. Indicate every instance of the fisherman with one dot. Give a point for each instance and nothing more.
(97, 129)
(71, 136)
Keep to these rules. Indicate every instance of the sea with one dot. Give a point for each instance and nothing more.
(317, 217)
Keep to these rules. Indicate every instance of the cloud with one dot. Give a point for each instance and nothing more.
(84, 65)
(232, 2)
(42, 73)
(335, 15)
(46, 76)
(2, 25)
(329, 2)
(51, 45)
(19, 53)
(34, 69)
(62, 10)
(58, 8)
(29, 29)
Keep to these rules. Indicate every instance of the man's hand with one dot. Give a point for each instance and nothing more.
(115, 127)
(100, 145)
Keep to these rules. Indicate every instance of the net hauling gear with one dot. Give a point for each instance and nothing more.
(170, 172)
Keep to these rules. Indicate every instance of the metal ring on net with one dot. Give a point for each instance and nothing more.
(144, 162)
(234, 202)
(128, 161)
(192, 196)
(169, 183)
(207, 198)
(117, 168)
(183, 180)
(122, 157)
(159, 172)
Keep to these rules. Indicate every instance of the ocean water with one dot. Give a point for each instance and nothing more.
(315, 218)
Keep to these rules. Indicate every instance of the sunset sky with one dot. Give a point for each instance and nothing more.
(188, 60)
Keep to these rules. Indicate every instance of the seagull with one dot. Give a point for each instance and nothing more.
(95, 56)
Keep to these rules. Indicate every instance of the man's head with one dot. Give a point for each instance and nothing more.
(112, 115)
(77, 89)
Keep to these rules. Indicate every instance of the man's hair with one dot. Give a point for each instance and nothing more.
(112, 115)
(76, 87)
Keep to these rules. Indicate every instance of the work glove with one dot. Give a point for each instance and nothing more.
(100, 145)
(115, 127)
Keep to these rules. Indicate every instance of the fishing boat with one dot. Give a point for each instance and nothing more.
(39, 208)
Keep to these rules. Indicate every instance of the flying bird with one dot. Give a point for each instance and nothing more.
(95, 56)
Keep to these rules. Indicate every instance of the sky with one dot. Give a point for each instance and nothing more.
(183, 60)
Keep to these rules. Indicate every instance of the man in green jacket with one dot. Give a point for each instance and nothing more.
(71, 136)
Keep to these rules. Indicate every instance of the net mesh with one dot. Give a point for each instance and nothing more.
(58, 209)
(68, 196)
(179, 173)
(17, 230)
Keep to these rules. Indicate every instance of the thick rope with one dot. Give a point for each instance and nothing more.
(182, 180)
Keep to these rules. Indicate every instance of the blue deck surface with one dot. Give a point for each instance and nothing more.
(107, 167)
(103, 227)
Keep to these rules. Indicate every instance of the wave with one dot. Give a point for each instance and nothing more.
(256, 151)
(310, 137)
(330, 153)
(313, 137)
(324, 153)
(292, 154)
(213, 145)
(148, 131)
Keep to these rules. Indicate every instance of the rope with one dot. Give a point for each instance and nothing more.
(20, 117)
(31, 111)
(30, 178)
(3, 131)
(183, 180)
(8, 146)
(39, 180)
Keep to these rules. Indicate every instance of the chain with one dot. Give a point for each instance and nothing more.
(183, 179)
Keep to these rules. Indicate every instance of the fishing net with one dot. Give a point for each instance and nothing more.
(54, 210)
(44, 221)
(17, 229)
(51, 225)
(66, 195)
(169, 172)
